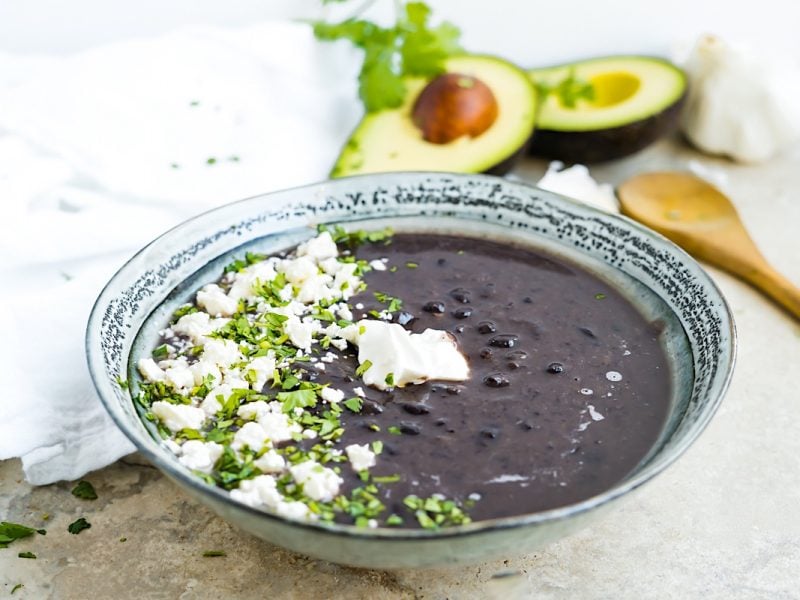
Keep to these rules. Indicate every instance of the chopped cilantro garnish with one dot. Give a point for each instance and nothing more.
(394, 520)
(161, 352)
(600, 296)
(363, 367)
(297, 399)
(412, 265)
(386, 478)
(26, 555)
(377, 446)
(392, 304)
(122, 383)
(389, 379)
(19, 586)
(569, 90)
(353, 239)
(84, 490)
(353, 404)
(211, 161)
(436, 511)
(394, 430)
(77, 526)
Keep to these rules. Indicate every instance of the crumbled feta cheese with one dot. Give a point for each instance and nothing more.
(339, 343)
(202, 369)
(172, 445)
(217, 396)
(299, 269)
(300, 334)
(377, 265)
(215, 301)
(359, 391)
(221, 352)
(180, 376)
(309, 434)
(346, 280)
(319, 248)
(251, 435)
(316, 288)
(196, 326)
(343, 312)
(330, 265)
(259, 491)
(409, 357)
(246, 279)
(277, 426)
(331, 395)
(295, 510)
(319, 483)
(178, 416)
(150, 370)
(264, 369)
(200, 456)
(594, 414)
(253, 410)
(360, 456)
(270, 462)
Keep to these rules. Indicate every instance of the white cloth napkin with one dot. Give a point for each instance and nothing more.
(102, 151)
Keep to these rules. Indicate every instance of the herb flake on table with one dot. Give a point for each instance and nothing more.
(84, 490)
(77, 526)
(26, 555)
(214, 553)
(19, 586)
(14, 531)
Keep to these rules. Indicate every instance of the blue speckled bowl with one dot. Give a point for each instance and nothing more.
(662, 280)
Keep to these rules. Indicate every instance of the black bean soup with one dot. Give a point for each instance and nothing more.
(569, 385)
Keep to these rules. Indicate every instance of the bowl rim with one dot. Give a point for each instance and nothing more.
(175, 471)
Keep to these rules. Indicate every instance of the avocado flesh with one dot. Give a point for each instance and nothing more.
(389, 141)
(637, 100)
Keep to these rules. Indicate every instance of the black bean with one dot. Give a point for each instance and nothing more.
(409, 428)
(487, 327)
(441, 262)
(527, 300)
(517, 355)
(486, 353)
(525, 426)
(440, 422)
(403, 317)
(370, 407)
(487, 291)
(504, 340)
(347, 379)
(437, 308)
(459, 329)
(587, 331)
(491, 433)
(496, 380)
(460, 295)
(462, 313)
(513, 365)
(416, 408)
(555, 368)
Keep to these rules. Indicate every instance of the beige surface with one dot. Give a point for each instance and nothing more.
(724, 522)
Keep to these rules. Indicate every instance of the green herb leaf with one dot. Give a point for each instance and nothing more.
(569, 90)
(13, 531)
(363, 367)
(389, 379)
(77, 526)
(19, 586)
(354, 404)
(26, 555)
(600, 296)
(211, 553)
(84, 490)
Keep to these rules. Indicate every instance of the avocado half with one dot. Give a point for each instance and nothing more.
(637, 99)
(390, 141)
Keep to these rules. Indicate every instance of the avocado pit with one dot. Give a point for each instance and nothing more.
(453, 105)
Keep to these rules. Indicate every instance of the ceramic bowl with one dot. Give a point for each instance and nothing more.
(661, 280)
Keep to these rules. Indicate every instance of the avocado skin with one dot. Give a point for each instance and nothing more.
(507, 164)
(605, 144)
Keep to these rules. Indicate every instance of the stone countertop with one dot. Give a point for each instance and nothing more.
(723, 522)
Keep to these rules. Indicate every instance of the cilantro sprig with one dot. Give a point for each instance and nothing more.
(411, 47)
(569, 90)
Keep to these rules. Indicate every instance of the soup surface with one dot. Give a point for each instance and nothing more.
(568, 385)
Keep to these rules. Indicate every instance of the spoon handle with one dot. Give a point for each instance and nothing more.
(777, 287)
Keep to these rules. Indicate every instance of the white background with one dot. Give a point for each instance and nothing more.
(534, 33)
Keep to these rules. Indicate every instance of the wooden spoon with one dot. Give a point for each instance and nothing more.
(701, 219)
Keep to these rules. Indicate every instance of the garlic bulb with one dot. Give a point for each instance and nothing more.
(739, 106)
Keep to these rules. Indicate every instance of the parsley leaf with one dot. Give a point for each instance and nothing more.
(26, 555)
(363, 367)
(354, 404)
(84, 490)
(77, 526)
